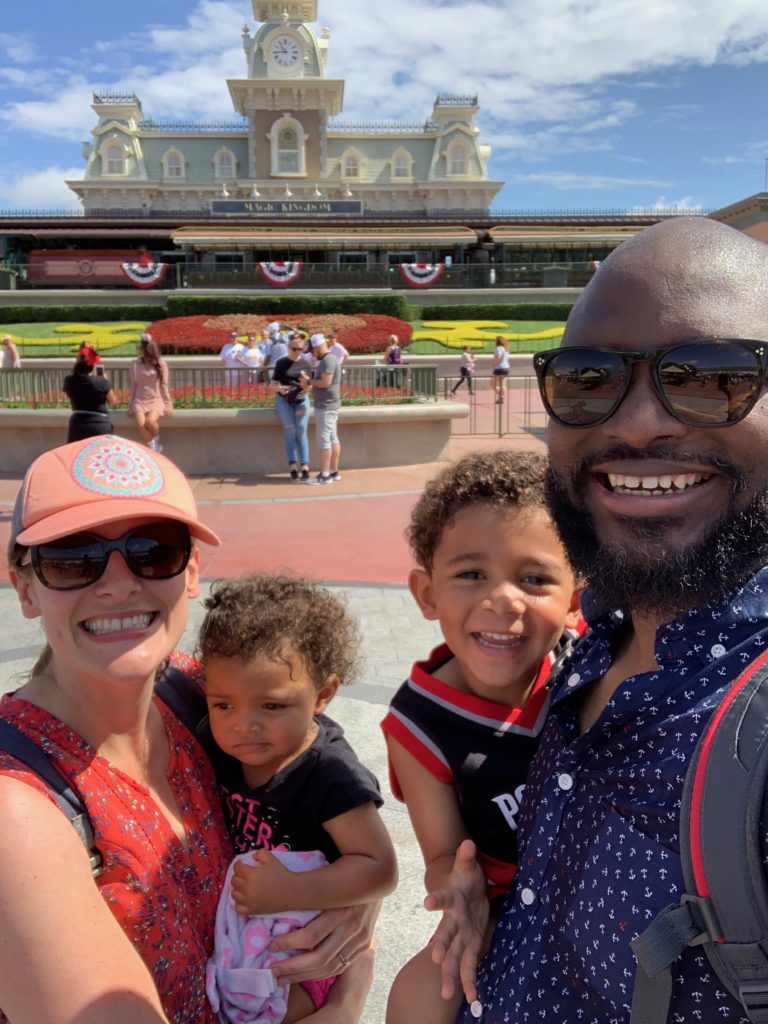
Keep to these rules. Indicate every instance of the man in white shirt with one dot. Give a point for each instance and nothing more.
(231, 357)
(336, 348)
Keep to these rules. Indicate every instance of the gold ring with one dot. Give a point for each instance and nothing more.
(344, 960)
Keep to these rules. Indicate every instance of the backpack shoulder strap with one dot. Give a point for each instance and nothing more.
(187, 701)
(24, 749)
(725, 908)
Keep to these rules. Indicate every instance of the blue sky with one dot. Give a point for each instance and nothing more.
(587, 104)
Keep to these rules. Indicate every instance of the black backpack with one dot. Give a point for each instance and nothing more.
(174, 689)
(725, 907)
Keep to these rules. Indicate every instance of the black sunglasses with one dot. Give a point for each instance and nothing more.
(156, 551)
(711, 382)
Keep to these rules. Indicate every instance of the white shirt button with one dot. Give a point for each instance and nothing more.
(476, 1009)
(717, 651)
(573, 679)
(528, 896)
(565, 781)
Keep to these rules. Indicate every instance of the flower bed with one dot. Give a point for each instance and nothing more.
(202, 335)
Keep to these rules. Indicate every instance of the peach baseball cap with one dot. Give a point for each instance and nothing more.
(100, 480)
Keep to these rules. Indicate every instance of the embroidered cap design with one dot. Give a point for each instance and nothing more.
(118, 468)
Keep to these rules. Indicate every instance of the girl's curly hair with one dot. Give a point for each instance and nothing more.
(276, 616)
(502, 479)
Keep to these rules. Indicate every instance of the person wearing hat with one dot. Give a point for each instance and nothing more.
(326, 390)
(150, 399)
(90, 396)
(104, 552)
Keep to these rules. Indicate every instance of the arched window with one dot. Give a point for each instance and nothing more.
(351, 166)
(287, 141)
(173, 164)
(115, 157)
(288, 150)
(224, 164)
(402, 164)
(457, 159)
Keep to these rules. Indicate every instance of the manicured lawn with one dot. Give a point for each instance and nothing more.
(57, 339)
(438, 337)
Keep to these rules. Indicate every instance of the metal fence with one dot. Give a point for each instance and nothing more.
(520, 412)
(211, 388)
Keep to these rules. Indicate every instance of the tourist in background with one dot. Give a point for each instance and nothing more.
(91, 396)
(231, 356)
(336, 348)
(393, 355)
(326, 388)
(466, 370)
(11, 358)
(500, 367)
(150, 399)
(252, 359)
(291, 380)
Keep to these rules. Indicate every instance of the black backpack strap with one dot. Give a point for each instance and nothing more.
(24, 749)
(187, 701)
(725, 908)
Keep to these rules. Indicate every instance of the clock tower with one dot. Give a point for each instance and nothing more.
(286, 97)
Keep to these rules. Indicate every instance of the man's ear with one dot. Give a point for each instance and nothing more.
(420, 585)
(22, 584)
(326, 693)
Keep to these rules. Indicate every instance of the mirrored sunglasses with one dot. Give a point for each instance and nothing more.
(711, 382)
(155, 551)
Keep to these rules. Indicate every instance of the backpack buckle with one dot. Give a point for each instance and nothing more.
(754, 998)
(704, 917)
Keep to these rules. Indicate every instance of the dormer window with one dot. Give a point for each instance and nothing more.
(457, 159)
(351, 165)
(225, 164)
(174, 164)
(115, 158)
(402, 165)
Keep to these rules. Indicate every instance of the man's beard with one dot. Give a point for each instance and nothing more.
(646, 577)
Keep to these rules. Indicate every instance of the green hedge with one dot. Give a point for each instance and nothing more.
(79, 314)
(495, 311)
(195, 305)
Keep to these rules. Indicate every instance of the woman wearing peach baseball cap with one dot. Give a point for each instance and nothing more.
(129, 946)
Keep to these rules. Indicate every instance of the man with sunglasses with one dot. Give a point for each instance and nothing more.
(659, 487)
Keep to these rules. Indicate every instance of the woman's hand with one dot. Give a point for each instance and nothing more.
(460, 937)
(331, 941)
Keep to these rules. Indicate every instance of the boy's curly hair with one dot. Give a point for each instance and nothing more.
(275, 616)
(502, 479)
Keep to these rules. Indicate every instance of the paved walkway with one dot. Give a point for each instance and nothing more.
(350, 535)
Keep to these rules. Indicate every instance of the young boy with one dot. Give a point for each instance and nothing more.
(462, 730)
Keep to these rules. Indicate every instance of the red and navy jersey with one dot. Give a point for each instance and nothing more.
(480, 747)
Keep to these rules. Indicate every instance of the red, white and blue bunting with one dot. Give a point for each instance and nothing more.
(144, 273)
(280, 274)
(421, 275)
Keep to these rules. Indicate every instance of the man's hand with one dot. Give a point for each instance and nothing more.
(460, 937)
(265, 887)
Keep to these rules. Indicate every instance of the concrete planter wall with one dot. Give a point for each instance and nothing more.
(213, 442)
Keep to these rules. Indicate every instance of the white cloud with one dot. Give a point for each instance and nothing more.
(40, 189)
(686, 204)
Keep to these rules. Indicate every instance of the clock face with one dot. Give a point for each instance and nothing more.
(285, 51)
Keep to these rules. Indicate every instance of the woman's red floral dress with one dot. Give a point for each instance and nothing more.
(163, 893)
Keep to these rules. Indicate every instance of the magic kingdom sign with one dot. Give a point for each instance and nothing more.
(255, 207)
